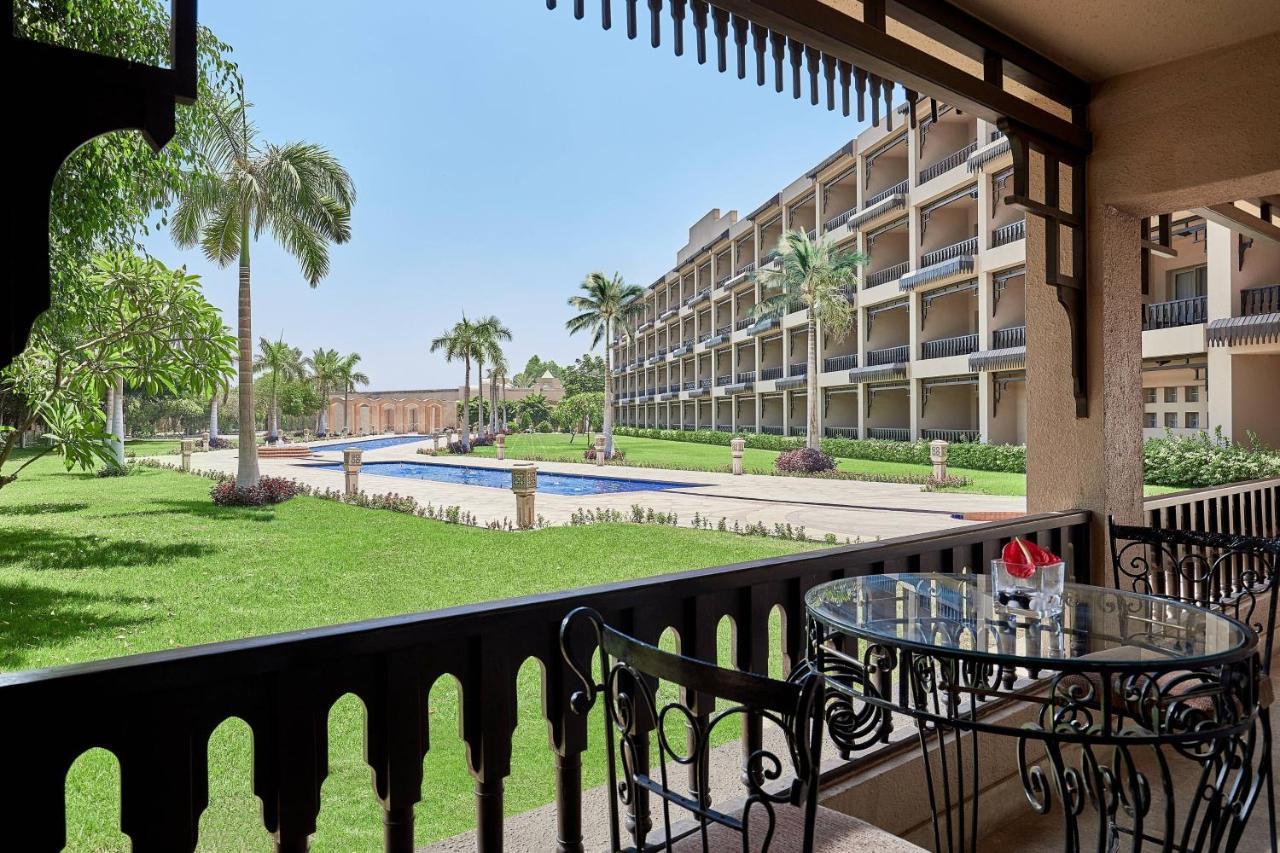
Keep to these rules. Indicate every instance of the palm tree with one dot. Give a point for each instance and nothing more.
(459, 344)
(818, 276)
(280, 363)
(490, 333)
(348, 377)
(605, 304)
(323, 364)
(298, 191)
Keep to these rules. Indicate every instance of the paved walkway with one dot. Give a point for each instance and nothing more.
(846, 508)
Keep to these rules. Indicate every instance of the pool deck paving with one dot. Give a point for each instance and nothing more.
(846, 508)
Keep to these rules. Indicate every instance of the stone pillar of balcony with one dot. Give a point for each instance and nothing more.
(914, 395)
(862, 408)
(1218, 255)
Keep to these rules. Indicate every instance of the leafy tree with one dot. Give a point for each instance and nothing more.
(348, 378)
(298, 398)
(490, 333)
(324, 366)
(533, 410)
(534, 369)
(605, 305)
(298, 191)
(585, 374)
(579, 413)
(461, 343)
(164, 412)
(813, 274)
(132, 319)
(278, 363)
(111, 188)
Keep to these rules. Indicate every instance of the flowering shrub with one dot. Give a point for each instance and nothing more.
(219, 443)
(806, 460)
(1201, 459)
(590, 455)
(111, 469)
(270, 490)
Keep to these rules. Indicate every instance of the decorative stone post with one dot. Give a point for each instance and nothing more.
(500, 446)
(737, 446)
(306, 433)
(938, 450)
(524, 482)
(351, 462)
(599, 449)
(188, 445)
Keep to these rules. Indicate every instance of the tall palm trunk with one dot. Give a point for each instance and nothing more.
(213, 417)
(346, 408)
(247, 462)
(479, 397)
(607, 417)
(117, 421)
(324, 412)
(811, 386)
(466, 404)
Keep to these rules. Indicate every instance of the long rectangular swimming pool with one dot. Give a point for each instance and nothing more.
(368, 443)
(497, 478)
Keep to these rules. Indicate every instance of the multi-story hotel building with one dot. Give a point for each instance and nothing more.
(939, 345)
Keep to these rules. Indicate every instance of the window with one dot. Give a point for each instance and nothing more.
(1171, 420)
(1171, 395)
(1189, 283)
(1148, 420)
(1191, 420)
(1149, 395)
(1191, 393)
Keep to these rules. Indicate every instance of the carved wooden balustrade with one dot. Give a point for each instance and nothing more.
(156, 711)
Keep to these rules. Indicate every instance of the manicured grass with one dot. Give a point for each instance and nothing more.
(93, 568)
(709, 457)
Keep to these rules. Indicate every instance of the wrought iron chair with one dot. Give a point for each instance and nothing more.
(781, 790)
(1236, 575)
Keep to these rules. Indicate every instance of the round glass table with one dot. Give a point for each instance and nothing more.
(1100, 698)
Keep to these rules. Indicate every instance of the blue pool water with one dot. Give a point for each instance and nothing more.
(495, 478)
(368, 443)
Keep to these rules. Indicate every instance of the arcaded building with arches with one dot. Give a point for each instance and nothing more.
(421, 410)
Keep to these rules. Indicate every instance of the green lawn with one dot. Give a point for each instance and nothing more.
(709, 457)
(93, 568)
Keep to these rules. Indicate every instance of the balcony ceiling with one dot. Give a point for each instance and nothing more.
(1098, 39)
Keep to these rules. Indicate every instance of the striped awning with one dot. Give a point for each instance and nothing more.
(879, 372)
(936, 272)
(998, 359)
(986, 154)
(1254, 329)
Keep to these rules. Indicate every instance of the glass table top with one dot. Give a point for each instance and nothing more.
(959, 613)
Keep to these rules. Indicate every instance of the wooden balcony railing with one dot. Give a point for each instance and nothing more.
(946, 253)
(1178, 312)
(886, 275)
(840, 432)
(725, 379)
(888, 355)
(840, 362)
(952, 435)
(889, 433)
(1008, 338)
(1010, 233)
(155, 712)
(946, 164)
(750, 266)
(897, 189)
(1260, 300)
(943, 347)
(746, 376)
(767, 373)
(744, 322)
(836, 221)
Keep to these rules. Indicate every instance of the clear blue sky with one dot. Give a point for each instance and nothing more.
(500, 152)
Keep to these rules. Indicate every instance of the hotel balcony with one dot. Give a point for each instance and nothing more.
(944, 264)
(1175, 313)
(840, 432)
(1010, 233)
(744, 323)
(1260, 300)
(1258, 323)
(835, 363)
(954, 160)
(889, 433)
(763, 325)
(886, 275)
(879, 207)
(888, 355)
(945, 347)
(684, 348)
(994, 149)
(770, 258)
(767, 373)
(952, 435)
(700, 296)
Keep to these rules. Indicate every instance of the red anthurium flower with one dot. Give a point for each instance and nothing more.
(1022, 557)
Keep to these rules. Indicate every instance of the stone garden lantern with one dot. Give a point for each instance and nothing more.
(351, 461)
(524, 482)
(938, 450)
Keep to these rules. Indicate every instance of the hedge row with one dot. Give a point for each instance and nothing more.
(973, 455)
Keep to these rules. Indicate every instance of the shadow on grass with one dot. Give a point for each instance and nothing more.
(42, 550)
(42, 509)
(36, 616)
(202, 509)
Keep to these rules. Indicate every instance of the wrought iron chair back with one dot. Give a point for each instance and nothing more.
(630, 672)
(1236, 575)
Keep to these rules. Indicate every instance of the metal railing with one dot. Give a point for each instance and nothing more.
(887, 274)
(1010, 233)
(725, 379)
(889, 433)
(724, 330)
(946, 164)
(1178, 312)
(156, 711)
(888, 355)
(946, 253)
(768, 429)
(747, 376)
(1260, 300)
(952, 435)
(840, 362)
(836, 221)
(724, 428)
(1008, 338)
(812, 233)
(704, 383)
(744, 322)
(769, 258)
(749, 266)
(899, 188)
(800, 368)
(840, 432)
(943, 347)
(767, 373)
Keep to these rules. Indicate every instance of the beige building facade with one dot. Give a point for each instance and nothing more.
(421, 411)
(939, 346)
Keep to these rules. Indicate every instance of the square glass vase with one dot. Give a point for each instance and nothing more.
(1041, 592)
